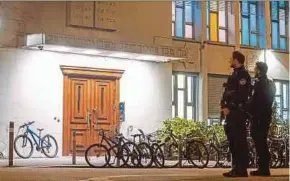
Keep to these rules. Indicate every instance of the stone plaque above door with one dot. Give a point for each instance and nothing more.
(99, 15)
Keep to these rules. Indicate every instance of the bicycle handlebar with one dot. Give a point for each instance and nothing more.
(27, 124)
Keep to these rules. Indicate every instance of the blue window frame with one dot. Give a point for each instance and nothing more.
(217, 20)
(183, 18)
(279, 19)
(252, 23)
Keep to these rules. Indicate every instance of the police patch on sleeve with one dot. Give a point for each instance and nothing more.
(243, 82)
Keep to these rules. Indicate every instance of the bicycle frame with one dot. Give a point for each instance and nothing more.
(35, 137)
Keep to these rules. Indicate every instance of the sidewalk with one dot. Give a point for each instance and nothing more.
(89, 174)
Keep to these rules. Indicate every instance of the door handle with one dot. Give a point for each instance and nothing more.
(88, 119)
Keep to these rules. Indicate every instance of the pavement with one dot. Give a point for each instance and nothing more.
(60, 169)
(90, 174)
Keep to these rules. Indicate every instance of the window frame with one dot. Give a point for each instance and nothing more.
(286, 36)
(226, 28)
(173, 23)
(257, 32)
(194, 94)
(280, 96)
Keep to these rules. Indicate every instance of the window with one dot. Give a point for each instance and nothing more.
(252, 24)
(184, 96)
(279, 16)
(183, 18)
(282, 99)
(217, 20)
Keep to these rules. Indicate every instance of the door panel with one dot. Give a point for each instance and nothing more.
(80, 95)
(102, 102)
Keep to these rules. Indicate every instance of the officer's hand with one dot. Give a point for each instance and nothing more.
(225, 111)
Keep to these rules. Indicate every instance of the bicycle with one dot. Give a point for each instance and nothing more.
(43, 144)
(119, 152)
(3, 147)
(193, 150)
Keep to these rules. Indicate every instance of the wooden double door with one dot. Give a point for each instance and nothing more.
(91, 98)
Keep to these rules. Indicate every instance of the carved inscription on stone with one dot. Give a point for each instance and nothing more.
(106, 14)
(81, 14)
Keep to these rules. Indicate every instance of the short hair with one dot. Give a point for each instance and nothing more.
(262, 67)
(239, 56)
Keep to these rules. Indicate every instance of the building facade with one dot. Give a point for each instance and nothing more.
(77, 61)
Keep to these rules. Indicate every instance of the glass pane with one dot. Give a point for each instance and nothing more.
(213, 27)
(278, 102)
(207, 13)
(275, 34)
(274, 10)
(254, 40)
(173, 111)
(278, 88)
(253, 21)
(179, 24)
(180, 104)
(222, 35)
(253, 9)
(282, 4)
(283, 45)
(245, 31)
(285, 115)
(213, 5)
(179, 4)
(173, 11)
(172, 93)
(189, 89)
(282, 14)
(245, 10)
(180, 81)
(173, 29)
(222, 18)
(285, 97)
(189, 112)
(188, 11)
(207, 33)
(282, 27)
(188, 31)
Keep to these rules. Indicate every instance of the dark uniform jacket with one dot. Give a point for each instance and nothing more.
(238, 89)
(262, 100)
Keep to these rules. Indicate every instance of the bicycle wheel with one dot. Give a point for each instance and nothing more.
(197, 154)
(97, 156)
(134, 154)
(118, 158)
(170, 152)
(49, 146)
(146, 155)
(158, 155)
(23, 146)
(213, 156)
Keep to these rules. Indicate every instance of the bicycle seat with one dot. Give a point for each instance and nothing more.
(40, 129)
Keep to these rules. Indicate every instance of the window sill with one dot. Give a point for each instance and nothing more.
(185, 39)
(251, 47)
(280, 51)
(219, 43)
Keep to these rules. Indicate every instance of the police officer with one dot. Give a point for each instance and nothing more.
(260, 107)
(237, 92)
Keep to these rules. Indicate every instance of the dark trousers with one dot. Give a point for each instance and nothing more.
(235, 130)
(259, 132)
